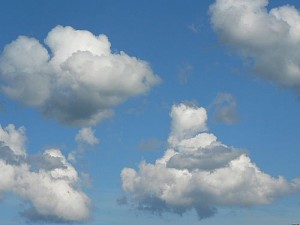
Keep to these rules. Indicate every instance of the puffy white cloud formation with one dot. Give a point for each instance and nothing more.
(199, 172)
(271, 38)
(48, 182)
(78, 81)
(86, 135)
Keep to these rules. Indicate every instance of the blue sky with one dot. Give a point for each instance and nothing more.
(188, 58)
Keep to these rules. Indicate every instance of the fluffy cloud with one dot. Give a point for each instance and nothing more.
(48, 182)
(199, 172)
(86, 135)
(270, 38)
(78, 81)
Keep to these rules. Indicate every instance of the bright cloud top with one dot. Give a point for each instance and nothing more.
(199, 172)
(270, 38)
(48, 182)
(78, 82)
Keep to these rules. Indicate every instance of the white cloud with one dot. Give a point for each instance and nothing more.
(186, 122)
(48, 182)
(270, 38)
(86, 135)
(199, 172)
(13, 138)
(79, 81)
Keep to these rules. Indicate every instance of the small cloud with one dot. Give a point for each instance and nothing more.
(72, 156)
(86, 136)
(150, 144)
(194, 28)
(86, 180)
(185, 73)
(225, 109)
(86, 139)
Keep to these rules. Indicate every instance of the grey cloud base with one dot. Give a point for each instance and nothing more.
(199, 172)
(78, 82)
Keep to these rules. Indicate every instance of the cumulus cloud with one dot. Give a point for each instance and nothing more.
(269, 37)
(86, 135)
(199, 172)
(49, 183)
(78, 81)
(225, 109)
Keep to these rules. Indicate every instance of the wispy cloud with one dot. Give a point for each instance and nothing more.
(194, 28)
(199, 172)
(225, 109)
(150, 144)
(185, 73)
(197, 26)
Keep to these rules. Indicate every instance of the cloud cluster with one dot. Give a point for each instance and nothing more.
(270, 38)
(199, 172)
(78, 81)
(48, 182)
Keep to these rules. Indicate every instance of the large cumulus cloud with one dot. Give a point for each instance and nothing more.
(48, 182)
(199, 172)
(269, 37)
(78, 81)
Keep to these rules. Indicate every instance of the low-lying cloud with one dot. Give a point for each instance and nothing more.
(199, 172)
(269, 37)
(78, 81)
(48, 182)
